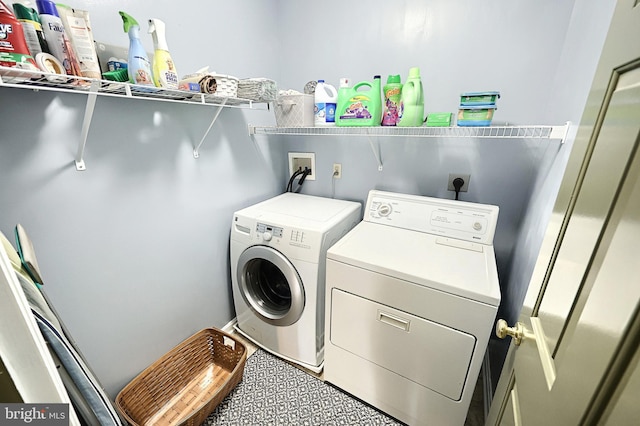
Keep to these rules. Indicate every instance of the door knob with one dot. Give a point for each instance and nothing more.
(503, 330)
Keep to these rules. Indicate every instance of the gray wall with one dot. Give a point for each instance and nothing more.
(540, 55)
(134, 249)
(514, 48)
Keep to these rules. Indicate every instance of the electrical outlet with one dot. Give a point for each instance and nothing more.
(337, 170)
(465, 178)
(300, 160)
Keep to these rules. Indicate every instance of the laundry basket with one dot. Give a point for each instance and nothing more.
(187, 383)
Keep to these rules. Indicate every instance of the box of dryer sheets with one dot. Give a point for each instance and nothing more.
(294, 109)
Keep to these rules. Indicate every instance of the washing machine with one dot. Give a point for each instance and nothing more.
(412, 296)
(278, 258)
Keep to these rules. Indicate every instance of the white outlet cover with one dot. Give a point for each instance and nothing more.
(311, 156)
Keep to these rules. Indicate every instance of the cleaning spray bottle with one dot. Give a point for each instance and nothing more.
(139, 67)
(164, 70)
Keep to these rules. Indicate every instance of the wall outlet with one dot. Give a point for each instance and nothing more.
(465, 178)
(337, 170)
(300, 160)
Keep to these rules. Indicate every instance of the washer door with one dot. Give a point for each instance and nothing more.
(270, 285)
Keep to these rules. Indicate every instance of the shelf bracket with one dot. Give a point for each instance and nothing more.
(560, 132)
(196, 153)
(376, 152)
(86, 123)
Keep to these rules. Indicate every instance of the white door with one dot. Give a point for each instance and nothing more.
(575, 357)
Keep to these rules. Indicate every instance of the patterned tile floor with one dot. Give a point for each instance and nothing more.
(475, 416)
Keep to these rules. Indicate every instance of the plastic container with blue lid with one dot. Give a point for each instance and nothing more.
(479, 98)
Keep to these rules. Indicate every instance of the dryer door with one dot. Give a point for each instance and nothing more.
(270, 285)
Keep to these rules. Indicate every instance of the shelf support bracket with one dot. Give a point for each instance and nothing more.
(376, 152)
(566, 132)
(196, 153)
(86, 123)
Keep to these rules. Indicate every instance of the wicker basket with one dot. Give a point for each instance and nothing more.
(187, 383)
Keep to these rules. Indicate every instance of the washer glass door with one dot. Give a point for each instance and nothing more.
(270, 285)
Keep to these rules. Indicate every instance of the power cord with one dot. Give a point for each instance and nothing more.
(293, 176)
(303, 173)
(306, 173)
(457, 184)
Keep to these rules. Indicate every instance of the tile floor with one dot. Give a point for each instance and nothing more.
(475, 417)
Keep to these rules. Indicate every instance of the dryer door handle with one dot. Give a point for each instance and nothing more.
(395, 321)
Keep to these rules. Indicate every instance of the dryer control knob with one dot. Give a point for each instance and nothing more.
(267, 236)
(477, 226)
(384, 210)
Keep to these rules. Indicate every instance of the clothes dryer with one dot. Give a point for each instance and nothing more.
(278, 258)
(412, 295)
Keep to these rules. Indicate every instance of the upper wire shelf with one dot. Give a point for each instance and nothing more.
(36, 80)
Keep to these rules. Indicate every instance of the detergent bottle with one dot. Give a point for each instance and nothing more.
(13, 49)
(164, 70)
(57, 39)
(325, 99)
(392, 95)
(33, 33)
(412, 100)
(139, 67)
(360, 107)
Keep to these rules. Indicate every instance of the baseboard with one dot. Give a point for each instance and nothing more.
(229, 327)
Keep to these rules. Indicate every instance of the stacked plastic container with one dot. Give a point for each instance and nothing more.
(477, 108)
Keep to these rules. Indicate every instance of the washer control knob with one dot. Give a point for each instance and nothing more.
(384, 210)
(477, 226)
(267, 236)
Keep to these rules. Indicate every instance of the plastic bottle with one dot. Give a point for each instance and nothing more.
(392, 92)
(360, 107)
(32, 28)
(139, 67)
(412, 101)
(14, 52)
(325, 100)
(58, 42)
(164, 70)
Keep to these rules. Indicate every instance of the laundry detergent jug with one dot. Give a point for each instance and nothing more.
(358, 107)
(412, 101)
(325, 99)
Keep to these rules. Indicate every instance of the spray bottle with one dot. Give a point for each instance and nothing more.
(139, 67)
(164, 70)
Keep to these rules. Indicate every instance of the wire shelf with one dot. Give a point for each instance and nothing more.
(92, 88)
(520, 132)
(36, 80)
(491, 132)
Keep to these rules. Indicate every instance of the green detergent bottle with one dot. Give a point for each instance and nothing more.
(358, 107)
(392, 96)
(412, 101)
